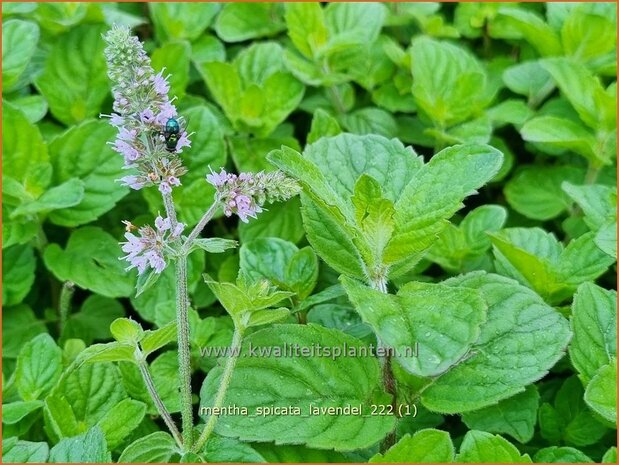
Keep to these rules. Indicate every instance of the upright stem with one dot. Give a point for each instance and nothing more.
(184, 353)
(380, 283)
(226, 376)
(161, 408)
(169, 209)
(64, 304)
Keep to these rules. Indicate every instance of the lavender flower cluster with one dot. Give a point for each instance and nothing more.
(148, 248)
(141, 109)
(246, 193)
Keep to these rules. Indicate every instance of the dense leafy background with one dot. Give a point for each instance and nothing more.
(513, 298)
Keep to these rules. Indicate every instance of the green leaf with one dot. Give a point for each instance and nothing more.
(562, 133)
(610, 456)
(408, 321)
(578, 38)
(60, 421)
(24, 153)
(323, 125)
(18, 267)
(121, 420)
(19, 41)
(174, 57)
(93, 319)
(82, 152)
(158, 447)
(432, 196)
(425, 446)
(569, 420)
(16, 451)
(90, 260)
(449, 84)
(14, 412)
(460, 248)
(515, 416)
(109, 352)
(353, 24)
(181, 20)
(74, 81)
(39, 365)
(306, 27)
(295, 454)
(66, 195)
(519, 328)
(601, 393)
(207, 144)
(299, 382)
(92, 391)
(536, 259)
(594, 104)
(154, 340)
(481, 447)
(126, 331)
(88, 447)
(370, 121)
(19, 325)
(282, 263)
(282, 220)
(533, 29)
(530, 79)
(556, 454)
(215, 244)
(606, 239)
(243, 21)
(598, 202)
(535, 191)
(594, 319)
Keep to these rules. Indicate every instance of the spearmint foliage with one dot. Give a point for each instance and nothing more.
(405, 250)
(245, 194)
(141, 110)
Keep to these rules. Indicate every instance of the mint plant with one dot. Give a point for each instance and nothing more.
(311, 233)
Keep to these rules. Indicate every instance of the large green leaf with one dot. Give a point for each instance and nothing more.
(594, 321)
(481, 447)
(19, 325)
(425, 446)
(82, 152)
(89, 447)
(91, 260)
(515, 416)
(38, 367)
(601, 393)
(19, 41)
(181, 20)
(449, 84)
(299, 382)
(242, 21)
(520, 341)
(282, 263)
(158, 447)
(430, 326)
(18, 267)
(17, 451)
(74, 81)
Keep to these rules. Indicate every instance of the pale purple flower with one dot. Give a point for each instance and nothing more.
(160, 83)
(183, 141)
(165, 188)
(134, 182)
(162, 224)
(148, 249)
(142, 107)
(245, 194)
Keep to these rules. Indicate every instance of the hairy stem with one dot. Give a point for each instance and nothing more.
(379, 282)
(223, 386)
(64, 304)
(184, 353)
(161, 408)
(200, 226)
(169, 209)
